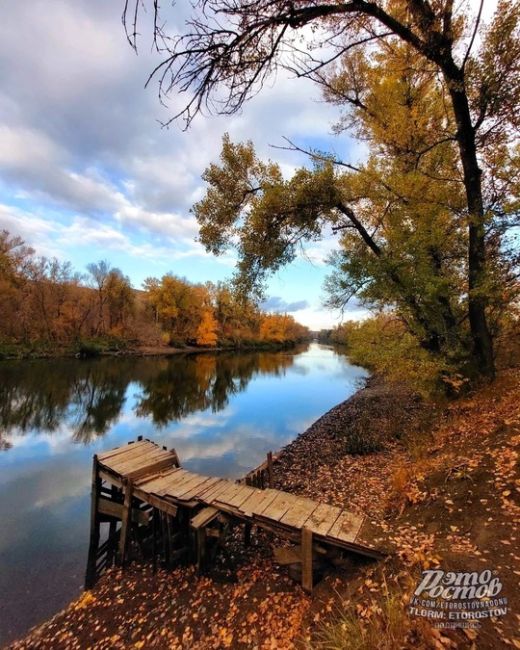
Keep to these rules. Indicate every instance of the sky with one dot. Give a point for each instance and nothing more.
(88, 173)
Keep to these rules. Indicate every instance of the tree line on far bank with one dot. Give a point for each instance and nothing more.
(47, 306)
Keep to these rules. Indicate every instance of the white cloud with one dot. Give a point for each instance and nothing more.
(82, 146)
(53, 238)
(278, 304)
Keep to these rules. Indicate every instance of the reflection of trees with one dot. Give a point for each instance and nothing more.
(205, 381)
(87, 396)
(44, 395)
(33, 395)
(97, 399)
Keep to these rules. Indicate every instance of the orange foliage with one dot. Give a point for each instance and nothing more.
(43, 302)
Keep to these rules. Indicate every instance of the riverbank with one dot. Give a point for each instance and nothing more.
(439, 489)
(92, 350)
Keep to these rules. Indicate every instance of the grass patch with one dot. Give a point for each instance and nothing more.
(382, 623)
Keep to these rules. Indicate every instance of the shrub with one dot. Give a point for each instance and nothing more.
(363, 442)
(383, 345)
(383, 623)
(89, 349)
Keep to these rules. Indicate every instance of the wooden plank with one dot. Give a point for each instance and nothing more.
(298, 514)
(178, 486)
(219, 491)
(208, 495)
(232, 490)
(258, 502)
(150, 469)
(110, 478)
(115, 462)
(119, 450)
(157, 485)
(157, 502)
(204, 517)
(244, 493)
(291, 534)
(124, 467)
(323, 518)
(151, 483)
(346, 527)
(170, 482)
(136, 455)
(149, 480)
(306, 554)
(197, 482)
(114, 509)
(194, 492)
(281, 504)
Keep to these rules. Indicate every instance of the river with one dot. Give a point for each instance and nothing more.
(222, 413)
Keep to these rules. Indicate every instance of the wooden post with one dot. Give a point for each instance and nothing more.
(307, 559)
(201, 548)
(247, 533)
(270, 468)
(125, 522)
(154, 540)
(167, 527)
(176, 460)
(90, 577)
(112, 527)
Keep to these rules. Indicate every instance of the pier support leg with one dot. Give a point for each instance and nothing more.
(154, 540)
(270, 478)
(201, 549)
(125, 523)
(90, 577)
(165, 527)
(247, 533)
(112, 529)
(306, 559)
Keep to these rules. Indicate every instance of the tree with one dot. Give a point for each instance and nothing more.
(181, 307)
(120, 300)
(15, 260)
(231, 47)
(237, 315)
(100, 272)
(43, 302)
(207, 329)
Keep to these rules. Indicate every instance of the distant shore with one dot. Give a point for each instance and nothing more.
(90, 351)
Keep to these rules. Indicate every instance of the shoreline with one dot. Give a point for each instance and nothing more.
(147, 351)
(414, 500)
(282, 480)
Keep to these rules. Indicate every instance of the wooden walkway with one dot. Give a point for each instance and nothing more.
(145, 477)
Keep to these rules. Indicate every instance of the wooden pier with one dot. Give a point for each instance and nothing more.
(146, 497)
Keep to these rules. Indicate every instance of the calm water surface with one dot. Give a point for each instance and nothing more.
(222, 412)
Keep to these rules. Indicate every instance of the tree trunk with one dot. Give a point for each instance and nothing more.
(482, 341)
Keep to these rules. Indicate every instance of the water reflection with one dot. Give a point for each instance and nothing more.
(222, 412)
(89, 395)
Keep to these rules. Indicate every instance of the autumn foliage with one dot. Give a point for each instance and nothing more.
(45, 305)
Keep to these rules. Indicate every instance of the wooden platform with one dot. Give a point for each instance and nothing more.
(152, 475)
